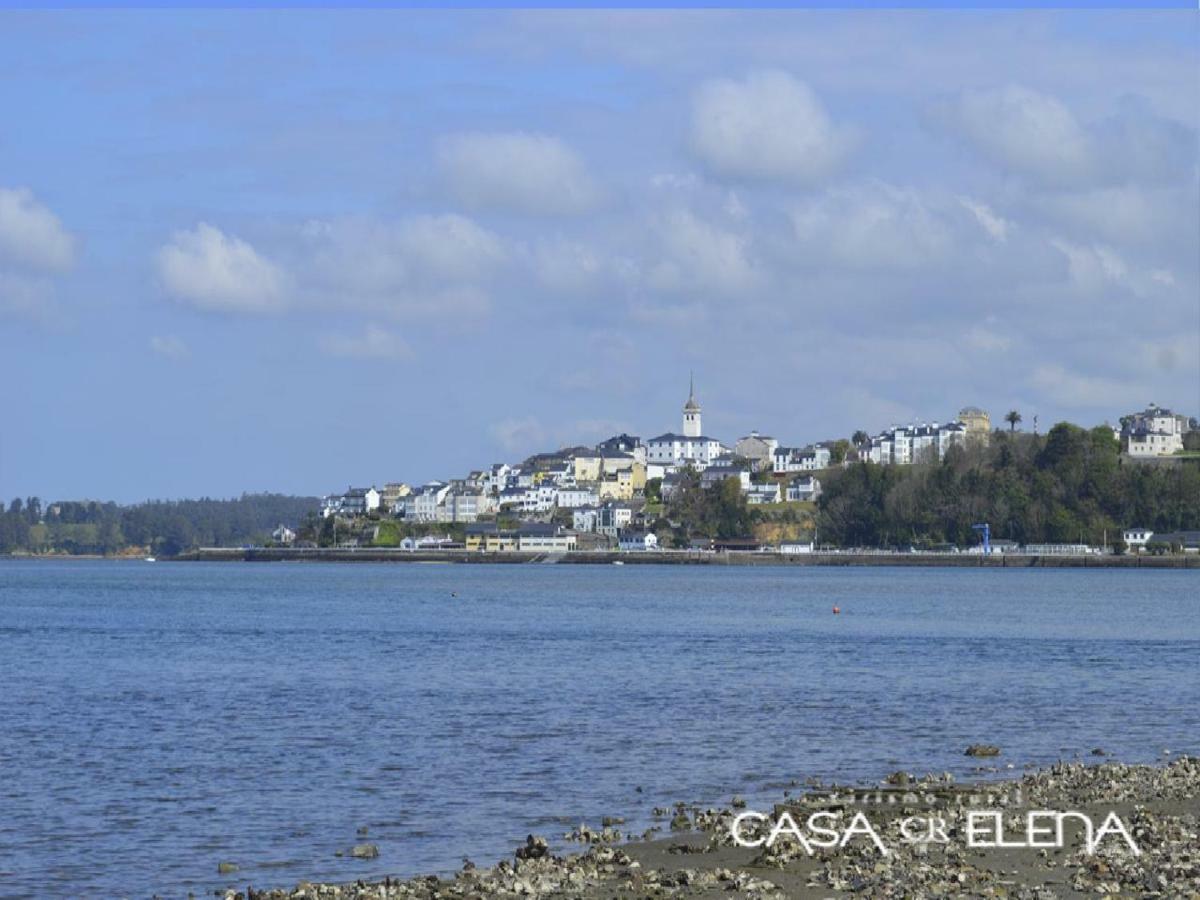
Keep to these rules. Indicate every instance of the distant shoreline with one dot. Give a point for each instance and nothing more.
(730, 558)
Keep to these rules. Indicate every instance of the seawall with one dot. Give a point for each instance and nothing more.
(668, 557)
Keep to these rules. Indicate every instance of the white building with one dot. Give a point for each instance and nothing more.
(1136, 539)
(607, 519)
(689, 448)
(359, 501)
(722, 469)
(283, 535)
(424, 503)
(539, 538)
(806, 488)
(793, 548)
(764, 493)
(800, 459)
(902, 446)
(638, 541)
(573, 498)
(1155, 432)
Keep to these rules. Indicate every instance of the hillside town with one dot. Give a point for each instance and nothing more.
(610, 495)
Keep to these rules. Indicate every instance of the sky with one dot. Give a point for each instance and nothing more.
(250, 250)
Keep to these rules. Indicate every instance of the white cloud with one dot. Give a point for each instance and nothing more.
(699, 257)
(1036, 135)
(516, 171)
(1078, 391)
(425, 265)
(169, 346)
(1023, 130)
(995, 225)
(568, 267)
(873, 225)
(1122, 213)
(373, 343)
(218, 272)
(768, 126)
(31, 236)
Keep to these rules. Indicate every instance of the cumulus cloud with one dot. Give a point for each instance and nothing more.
(700, 257)
(767, 126)
(516, 171)
(421, 265)
(31, 236)
(34, 248)
(214, 271)
(169, 346)
(1037, 136)
(373, 343)
(873, 225)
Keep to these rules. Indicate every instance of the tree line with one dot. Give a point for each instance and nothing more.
(165, 527)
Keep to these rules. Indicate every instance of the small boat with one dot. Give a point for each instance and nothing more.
(150, 559)
(618, 562)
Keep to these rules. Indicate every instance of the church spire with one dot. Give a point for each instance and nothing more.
(691, 410)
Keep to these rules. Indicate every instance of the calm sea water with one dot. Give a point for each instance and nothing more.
(158, 719)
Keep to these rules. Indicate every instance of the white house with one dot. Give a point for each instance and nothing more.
(283, 535)
(723, 470)
(635, 541)
(607, 519)
(800, 459)
(359, 501)
(1155, 432)
(764, 493)
(806, 488)
(574, 498)
(1136, 539)
(423, 504)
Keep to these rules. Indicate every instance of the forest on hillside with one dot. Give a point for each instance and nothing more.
(1070, 485)
(160, 526)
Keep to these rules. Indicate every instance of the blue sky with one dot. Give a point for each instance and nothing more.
(252, 250)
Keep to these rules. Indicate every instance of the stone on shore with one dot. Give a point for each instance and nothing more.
(535, 848)
(982, 750)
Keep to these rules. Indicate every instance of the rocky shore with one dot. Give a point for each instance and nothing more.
(693, 853)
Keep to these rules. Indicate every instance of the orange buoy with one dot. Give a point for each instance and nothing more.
(836, 610)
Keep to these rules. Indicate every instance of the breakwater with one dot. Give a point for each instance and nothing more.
(683, 557)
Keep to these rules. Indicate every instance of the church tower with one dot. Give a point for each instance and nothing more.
(691, 412)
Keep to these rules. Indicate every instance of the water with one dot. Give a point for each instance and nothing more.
(158, 719)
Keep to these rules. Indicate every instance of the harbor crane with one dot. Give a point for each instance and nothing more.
(985, 530)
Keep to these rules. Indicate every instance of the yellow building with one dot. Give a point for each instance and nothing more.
(978, 423)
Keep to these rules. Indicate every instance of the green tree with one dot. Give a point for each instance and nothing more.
(1012, 417)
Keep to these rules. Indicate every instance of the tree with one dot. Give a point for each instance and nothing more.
(859, 438)
(1012, 417)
